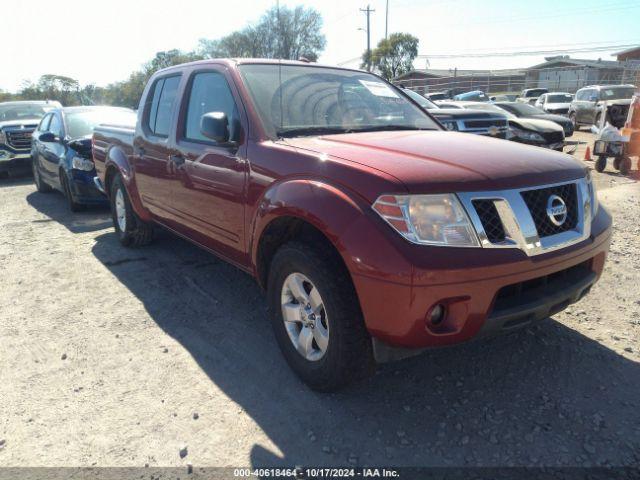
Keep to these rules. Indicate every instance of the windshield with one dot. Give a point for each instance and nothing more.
(82, 122)
(560, 98)
(536, 92)
(22, 111)
(420, 100)
(521, 109)
(616, 93)
(304, 100)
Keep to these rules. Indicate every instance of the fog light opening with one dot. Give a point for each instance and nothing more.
(437, 314)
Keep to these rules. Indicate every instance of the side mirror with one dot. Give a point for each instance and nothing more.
(47, 137)
(593, 98)
(215, 125)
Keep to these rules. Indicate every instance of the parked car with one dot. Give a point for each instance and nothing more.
(492, 124)
(590, 103)
(61, 151)
(554, 102)
(540, 133)
(474, 96)
(530, 95)
(437, 96)
(523, 110)
(505, 97)
(17, 122)
(374, 232)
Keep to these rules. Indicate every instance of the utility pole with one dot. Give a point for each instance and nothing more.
(368, 12)
(386, 21)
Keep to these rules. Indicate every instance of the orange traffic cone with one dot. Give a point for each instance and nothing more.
(587, 154)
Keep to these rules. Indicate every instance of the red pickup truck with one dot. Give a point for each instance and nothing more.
(374, 231)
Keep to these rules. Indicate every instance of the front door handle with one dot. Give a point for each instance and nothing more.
(140, 152)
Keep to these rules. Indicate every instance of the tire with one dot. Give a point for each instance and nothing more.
(348, 354)
(625, 165)
(68, 195)
(41, 185)
(572, 117)
(130, 229)
(601, 164)
(616, 163)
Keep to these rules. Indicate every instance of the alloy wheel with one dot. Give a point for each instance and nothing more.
(304, 316)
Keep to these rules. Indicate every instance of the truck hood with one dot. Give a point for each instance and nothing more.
(19, 123)
(439, 161)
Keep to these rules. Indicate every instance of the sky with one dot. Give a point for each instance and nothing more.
(100, 42)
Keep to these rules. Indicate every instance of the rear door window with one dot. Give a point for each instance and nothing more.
(163, 99)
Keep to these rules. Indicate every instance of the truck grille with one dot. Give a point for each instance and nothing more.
(19, 139)
(488, 213)
(485, 123)
(537, 200)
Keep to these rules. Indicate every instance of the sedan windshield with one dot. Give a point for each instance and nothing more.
(297, 100)
(81, 123)
(560, 98)
(617, 93)
(12, 112)
(420, 100)
(535, 92)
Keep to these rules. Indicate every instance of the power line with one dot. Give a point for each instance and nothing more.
(603, 48)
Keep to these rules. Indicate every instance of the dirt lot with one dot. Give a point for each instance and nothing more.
(115, 357)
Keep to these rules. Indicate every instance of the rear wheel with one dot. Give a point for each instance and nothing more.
(625, 165)
(316, 317)
(131, 230)
(601, 164)
(41, 185)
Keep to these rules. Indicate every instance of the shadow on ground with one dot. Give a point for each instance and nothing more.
(546, 395)
(54, 206)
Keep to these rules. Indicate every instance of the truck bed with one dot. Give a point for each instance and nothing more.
(111, 138)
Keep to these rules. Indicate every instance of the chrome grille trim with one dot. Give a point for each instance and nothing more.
(519, 225)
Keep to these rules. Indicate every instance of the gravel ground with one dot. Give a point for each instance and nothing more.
(163, 356)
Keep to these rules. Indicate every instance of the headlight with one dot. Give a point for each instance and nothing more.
(428, 219)
(450, 124)
(524, 134)
(80, 163)
(593, 195)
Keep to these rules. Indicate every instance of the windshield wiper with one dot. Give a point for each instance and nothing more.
(382, 128)
(303, 131)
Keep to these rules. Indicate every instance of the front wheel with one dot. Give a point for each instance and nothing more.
(625, 165)
(68, 194)
(131, 230)
(574, 121)
(601, 164)
(316, 317)
(41, 186)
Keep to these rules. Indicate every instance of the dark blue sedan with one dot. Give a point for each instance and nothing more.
(61, 151)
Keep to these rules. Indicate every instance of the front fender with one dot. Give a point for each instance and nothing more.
(362, 239)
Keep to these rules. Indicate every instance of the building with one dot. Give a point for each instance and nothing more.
(629, 54)
(489, 81)
(567, 74)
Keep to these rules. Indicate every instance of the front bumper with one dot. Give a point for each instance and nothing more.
(474, 286)
(10, 160)
(84, 189)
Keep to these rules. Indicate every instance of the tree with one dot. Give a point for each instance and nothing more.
(394, 55)
(280, 33)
